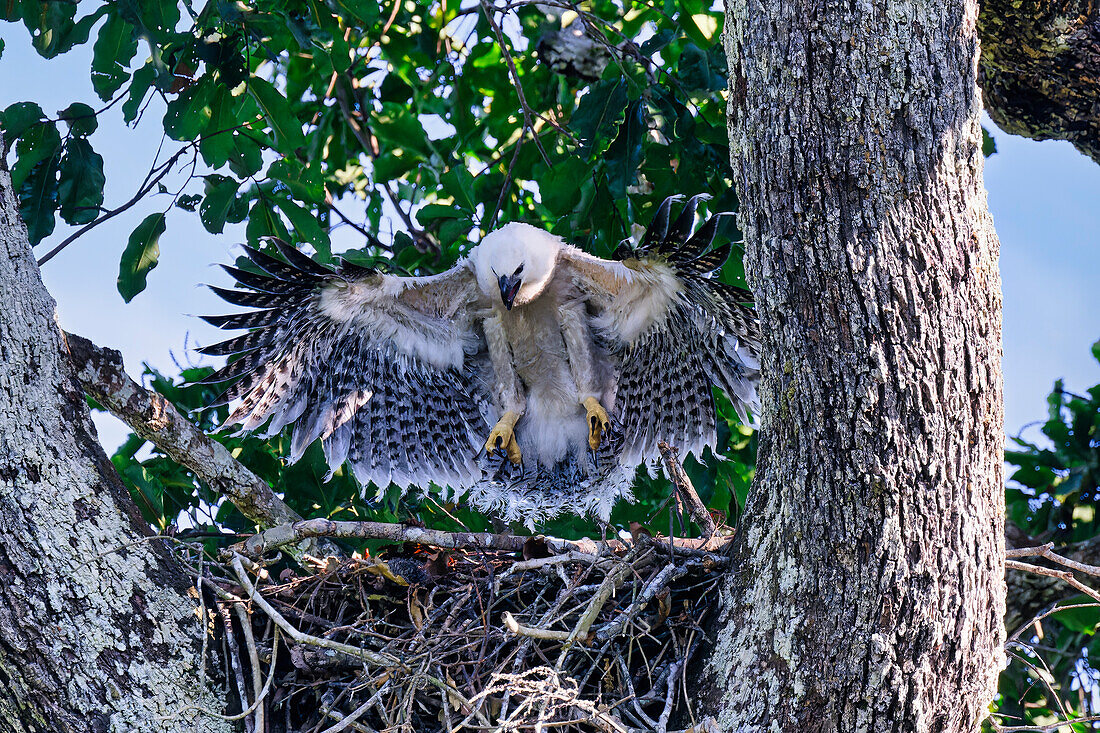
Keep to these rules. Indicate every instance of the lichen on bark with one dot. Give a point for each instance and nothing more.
(871, 589)
(97, 632)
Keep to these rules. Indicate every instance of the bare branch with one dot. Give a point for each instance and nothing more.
(154, 418)
(682, 484)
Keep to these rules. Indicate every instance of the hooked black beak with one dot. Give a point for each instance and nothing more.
(509, 286)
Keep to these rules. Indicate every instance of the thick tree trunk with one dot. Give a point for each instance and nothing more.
(871, 593)
(1040, 69)
(97, 631)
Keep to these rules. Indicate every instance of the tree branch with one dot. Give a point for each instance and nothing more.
(154, 418)
(682, 485)
(1040, 69)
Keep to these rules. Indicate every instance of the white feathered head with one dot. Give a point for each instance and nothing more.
(515, 263)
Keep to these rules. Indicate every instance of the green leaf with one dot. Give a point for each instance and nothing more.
(702, 27)
(624, 156)
(264, 222)
(37, 144)
(139, 88)
(361, 10)
(246, 158)
(561, 187)
(80, 118)
(460, 184)
(400, 129)
(431, 212)
(221, 192)
(303, 181)
(112, 52)
(989, 145)
(1079, 619)
(277, 110)
(17, 118)
(140, 256)
(307, 226)
(188, 114)
(599, 114)
(81, 191)
(1096, 351)
(217, 144)
(38, 200)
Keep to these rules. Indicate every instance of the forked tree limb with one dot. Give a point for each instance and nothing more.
(154, 418)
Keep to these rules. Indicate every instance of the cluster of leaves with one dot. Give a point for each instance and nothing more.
(419, 125)
(1055, 492)
(285, 109)
(1053, 496)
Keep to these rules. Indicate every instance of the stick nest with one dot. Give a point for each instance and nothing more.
(420, 639)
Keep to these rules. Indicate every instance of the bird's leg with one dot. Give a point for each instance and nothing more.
(503, 436)
(598, 421)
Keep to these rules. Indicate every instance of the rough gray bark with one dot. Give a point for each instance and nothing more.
(1040, 69)
(97, 632)
(871, 592)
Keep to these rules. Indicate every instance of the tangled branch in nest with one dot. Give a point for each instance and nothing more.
(423, 639)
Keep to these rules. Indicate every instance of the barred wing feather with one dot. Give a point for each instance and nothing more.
(675, 331)
(384, 370)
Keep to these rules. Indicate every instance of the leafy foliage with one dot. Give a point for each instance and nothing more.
(1054, 672)
(420, 125)
(1055, 493)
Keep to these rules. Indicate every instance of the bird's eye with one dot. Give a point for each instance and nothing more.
(518, 269)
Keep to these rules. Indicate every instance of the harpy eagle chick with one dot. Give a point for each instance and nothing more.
(531, 377)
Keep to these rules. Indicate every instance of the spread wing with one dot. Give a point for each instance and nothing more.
(380, 368)
(676, 331)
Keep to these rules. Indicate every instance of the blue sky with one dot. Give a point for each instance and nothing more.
(1045, 199)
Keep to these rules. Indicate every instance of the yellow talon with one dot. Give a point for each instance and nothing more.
(503, 436)
(598, 421)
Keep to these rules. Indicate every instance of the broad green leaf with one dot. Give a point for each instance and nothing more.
(80, 118)
(460, 184)
(1079, 619)
(306, 224)
(702, 27)
(246, 158)
(277, 110)
(624, 155)
(112, 52)
(399, 129)
(561, 187)
(17, 118)
(599, 114)
(264, 222)
(140, 256)
(38, 200)
(38, 144)
(221, 191)
(188, 115)
(81, 191)
(140, 84)
(217, 144)
(431, 212)
(303, 181)
(989, 145)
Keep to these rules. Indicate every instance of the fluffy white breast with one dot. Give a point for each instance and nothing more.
(503, 251)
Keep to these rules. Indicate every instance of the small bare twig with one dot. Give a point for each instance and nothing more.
(682, 486)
